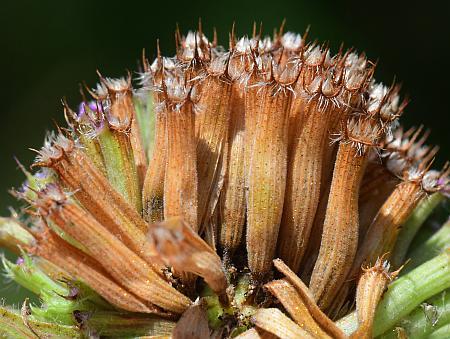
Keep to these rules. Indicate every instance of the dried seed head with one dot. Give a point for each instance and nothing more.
(249, 128)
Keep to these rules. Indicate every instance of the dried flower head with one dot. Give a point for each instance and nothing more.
(191, 206)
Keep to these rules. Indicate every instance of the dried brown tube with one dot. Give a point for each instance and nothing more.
(352, 72)
(267, 180)
(211, 128)
(371, 287)
(233, 194)
(382, 233)
(320, 318)
(274, 321)
(377, 184)
(180, 184)
(118, 260)
(153, 190)
(312, 250)
(340, 229)
(52, 248)
(313, 58)
(293, 303)
(94, 192)
(297, 112)
(304, 181)
(254, 96)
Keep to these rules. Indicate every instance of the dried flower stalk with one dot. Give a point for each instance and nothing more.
(293, 303)
(180, 184)
(76, 263)
(118, 260)
(233, 193)
(212, 125)
(321, 319)
(267, 180)
(91, 189)
(340, 231)
(304, 176)
(383, 231)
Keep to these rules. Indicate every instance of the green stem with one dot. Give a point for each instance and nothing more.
(57, 305)
(425, 319)
(12, 325)
(412, 226)
(32, 278)
(436, 244)
(214, 309)
(405, 294)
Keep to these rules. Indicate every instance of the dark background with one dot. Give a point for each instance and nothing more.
(48, 47)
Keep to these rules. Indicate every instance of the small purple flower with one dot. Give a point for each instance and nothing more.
(20, 261)
(92, 105)
(81, 110)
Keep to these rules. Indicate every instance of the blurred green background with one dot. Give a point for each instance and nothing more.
(49, 47)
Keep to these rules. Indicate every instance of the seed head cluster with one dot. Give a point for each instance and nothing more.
(232, 193)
